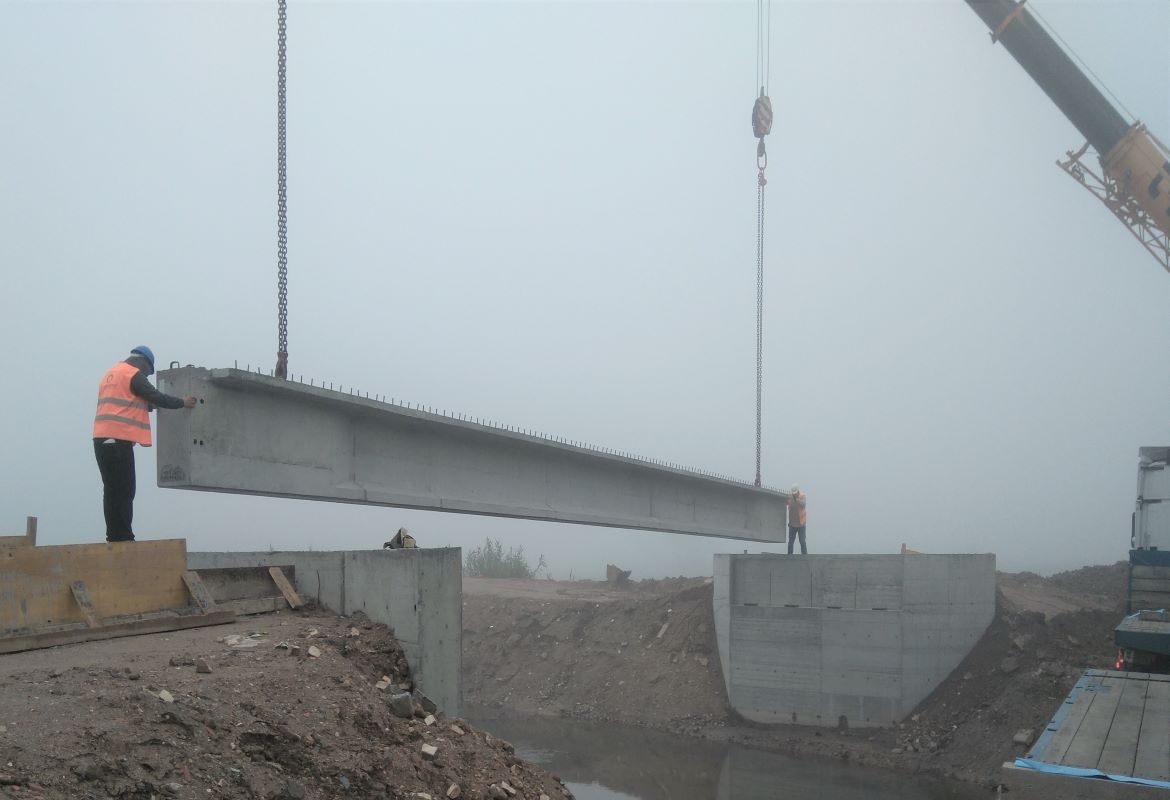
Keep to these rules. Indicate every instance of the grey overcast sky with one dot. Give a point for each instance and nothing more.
(544, 214)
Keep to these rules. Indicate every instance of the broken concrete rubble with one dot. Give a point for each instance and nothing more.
(402, 705)
(1024, 736)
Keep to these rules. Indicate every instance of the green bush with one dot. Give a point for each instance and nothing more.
(490, 561)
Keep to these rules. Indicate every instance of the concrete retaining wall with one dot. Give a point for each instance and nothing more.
(813, 639)
(418, 593)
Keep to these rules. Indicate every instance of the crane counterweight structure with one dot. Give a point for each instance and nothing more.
(1135, 168)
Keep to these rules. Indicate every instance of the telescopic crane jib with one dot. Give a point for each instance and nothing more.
(1135, 167)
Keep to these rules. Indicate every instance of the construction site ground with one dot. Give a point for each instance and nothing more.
(644, 654)
(279, 706)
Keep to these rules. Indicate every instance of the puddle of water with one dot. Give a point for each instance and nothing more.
(609, 762)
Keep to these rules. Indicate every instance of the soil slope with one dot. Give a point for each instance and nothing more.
(141, 718)
(645, 654)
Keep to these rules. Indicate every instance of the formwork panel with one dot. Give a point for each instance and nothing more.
(752, 583)
(122, 579)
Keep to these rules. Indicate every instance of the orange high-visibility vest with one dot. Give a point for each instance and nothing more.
(121, 414)
(797, 513)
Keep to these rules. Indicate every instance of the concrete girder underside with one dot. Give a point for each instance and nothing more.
(255, 434)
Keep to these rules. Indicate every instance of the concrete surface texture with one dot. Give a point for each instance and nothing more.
(417, 592)
(353, 449)
(845, 640)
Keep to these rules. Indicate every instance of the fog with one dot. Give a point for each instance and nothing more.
(544, 214)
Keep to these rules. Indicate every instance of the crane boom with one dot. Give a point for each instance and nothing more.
(1136, 168)
(1053, 71)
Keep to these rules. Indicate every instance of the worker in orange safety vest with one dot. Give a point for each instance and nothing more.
(125, 400)
(797, 519)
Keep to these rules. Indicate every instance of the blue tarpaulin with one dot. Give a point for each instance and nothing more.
(1079, 772)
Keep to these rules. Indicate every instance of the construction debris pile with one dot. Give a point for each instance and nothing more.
(276, 707)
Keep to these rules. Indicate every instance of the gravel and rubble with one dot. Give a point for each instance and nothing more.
(279, 707)
(644, 654)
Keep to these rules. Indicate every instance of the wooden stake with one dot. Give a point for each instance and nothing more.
(81, 595)
(199, 592)
(290, 594)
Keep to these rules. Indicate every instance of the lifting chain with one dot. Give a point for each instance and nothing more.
(281, 370)
(761, 127)
(759, 317)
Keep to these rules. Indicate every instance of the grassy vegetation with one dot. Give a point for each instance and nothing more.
(490, 561)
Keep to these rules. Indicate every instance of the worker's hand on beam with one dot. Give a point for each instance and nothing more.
(189, 401)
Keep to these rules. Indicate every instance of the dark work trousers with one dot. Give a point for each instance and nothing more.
(793, 532)
(116, 462)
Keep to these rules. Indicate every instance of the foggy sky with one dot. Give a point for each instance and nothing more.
(544, 214)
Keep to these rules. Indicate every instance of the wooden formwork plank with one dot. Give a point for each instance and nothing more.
(1121, 743)
(1151, 600)
(1153, 749)
(81, 595)
(122, 578)
(199, 592)
(258, 605)
(36, 641)
(290, 594)
(1150, 585)
(28, 540)
(240, 583)
(1086, 747)
(1063, 737)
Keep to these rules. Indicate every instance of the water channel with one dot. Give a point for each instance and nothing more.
(609, 762)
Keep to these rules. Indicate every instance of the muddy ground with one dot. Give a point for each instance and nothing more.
(140, 718)
(282, 707)
(645, 654)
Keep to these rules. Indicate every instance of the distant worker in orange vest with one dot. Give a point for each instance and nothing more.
(797, 519)
(125, 400)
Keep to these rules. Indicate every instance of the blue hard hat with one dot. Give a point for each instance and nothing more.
(145, 352)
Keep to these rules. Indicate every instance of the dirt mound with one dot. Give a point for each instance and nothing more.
(643, 655)
(1106, 581)
(1013, 680)
(273, 708)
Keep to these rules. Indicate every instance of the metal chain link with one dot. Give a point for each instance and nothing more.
(761, 127)
(281, 193)
(759, 319)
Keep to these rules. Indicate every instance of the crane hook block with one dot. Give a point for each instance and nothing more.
(762, 116)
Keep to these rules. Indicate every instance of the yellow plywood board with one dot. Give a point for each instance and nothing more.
(28, 540)
(122, 578)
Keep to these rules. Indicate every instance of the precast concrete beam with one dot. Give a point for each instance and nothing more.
(255, 434)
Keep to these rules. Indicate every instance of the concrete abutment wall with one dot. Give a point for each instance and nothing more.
(810, 640)
(417, 592)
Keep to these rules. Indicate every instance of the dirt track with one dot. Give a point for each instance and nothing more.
(646, 655)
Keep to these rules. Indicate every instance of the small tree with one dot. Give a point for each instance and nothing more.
(490, 561)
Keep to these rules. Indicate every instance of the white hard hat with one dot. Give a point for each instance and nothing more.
(795, 489)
